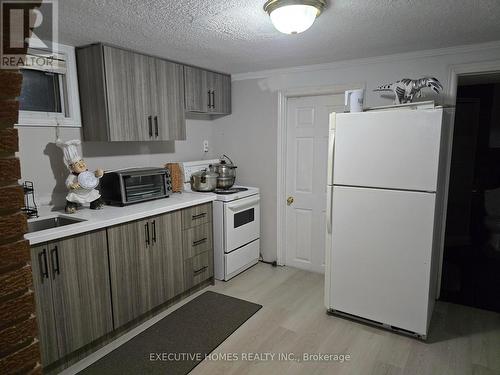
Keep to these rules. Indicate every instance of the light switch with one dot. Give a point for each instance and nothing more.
(205, 146)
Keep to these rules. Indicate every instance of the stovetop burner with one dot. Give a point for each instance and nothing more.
(230, 190)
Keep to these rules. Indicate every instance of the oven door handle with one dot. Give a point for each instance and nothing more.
(235, 207)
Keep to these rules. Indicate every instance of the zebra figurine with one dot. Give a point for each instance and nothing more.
(408, 89)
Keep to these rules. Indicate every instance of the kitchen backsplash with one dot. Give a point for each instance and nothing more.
(42, 162)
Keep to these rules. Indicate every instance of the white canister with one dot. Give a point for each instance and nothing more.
(354, 100)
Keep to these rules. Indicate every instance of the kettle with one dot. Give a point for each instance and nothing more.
(354, 100)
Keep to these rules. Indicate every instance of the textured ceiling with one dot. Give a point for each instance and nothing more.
(236, 36)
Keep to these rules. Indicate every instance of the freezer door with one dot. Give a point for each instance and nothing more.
(381, 254)
(389, 149)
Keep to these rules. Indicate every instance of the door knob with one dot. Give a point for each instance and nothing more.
(289, 201)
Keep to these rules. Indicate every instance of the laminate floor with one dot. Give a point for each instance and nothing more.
(462, 340)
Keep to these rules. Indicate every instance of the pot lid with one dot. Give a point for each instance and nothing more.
(224, 163)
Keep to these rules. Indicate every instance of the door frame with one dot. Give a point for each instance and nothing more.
(475, 68)
(283, 96)
(454, 72)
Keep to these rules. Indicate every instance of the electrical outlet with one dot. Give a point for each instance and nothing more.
(205, 146)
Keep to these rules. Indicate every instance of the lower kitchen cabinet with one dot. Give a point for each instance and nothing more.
(46, 321)
(129, 257)
(146, 265)
(198, 269)
(91, 284)
(168, 254)
(197, 240)
(82, 301)
(71, 282)
(197, 244)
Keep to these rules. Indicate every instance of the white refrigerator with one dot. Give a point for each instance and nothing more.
(386, 209)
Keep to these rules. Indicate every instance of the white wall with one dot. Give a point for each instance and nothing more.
(42, 161)
(249, 135)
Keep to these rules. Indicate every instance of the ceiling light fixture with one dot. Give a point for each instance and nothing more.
(293, 16)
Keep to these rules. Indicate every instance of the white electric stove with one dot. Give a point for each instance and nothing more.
(236, 224)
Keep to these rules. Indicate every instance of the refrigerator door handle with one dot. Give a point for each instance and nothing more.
(329, 211)
(331, 149)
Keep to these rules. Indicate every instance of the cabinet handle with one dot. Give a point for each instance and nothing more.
(156, 126)
(150, 126)
(199, 216)
(146, 228)
(200, 270)
(55, 265)
(199, 242)
(42, 262)
(154, 230)
(213, 99)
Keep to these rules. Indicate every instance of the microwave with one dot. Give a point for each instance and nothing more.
(134, 185)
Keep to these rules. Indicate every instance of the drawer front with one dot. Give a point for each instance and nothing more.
(198, 269)
(196, 215)
(240, 259)
(197, 240)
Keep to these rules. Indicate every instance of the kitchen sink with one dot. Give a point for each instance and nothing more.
(52, 222)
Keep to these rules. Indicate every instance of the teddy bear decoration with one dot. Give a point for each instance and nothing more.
(80, 182)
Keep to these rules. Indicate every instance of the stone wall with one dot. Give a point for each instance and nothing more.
(19, 350)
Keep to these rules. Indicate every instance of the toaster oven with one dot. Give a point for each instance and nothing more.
(134, 185)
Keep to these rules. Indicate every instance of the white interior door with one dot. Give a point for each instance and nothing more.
(306, 164)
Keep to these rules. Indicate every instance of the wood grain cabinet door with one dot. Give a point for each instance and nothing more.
(167, 255)
(145, 81)
(196, 92)
(80, 289)
(45, 317)
(150, 99)
(197, 240)
(127, 94)
(210, 78)
(129, 256)
(198, 269)
(221, 97)
(169, 120)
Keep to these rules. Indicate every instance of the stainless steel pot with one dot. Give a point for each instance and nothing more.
(226, 172)
(203, 181)
(225, 182)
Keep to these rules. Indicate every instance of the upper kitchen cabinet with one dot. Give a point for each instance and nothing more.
(221, 93)
(169, 123)
(207, 92)
(127, 96)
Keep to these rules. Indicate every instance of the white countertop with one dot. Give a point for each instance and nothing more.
(112, 215)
